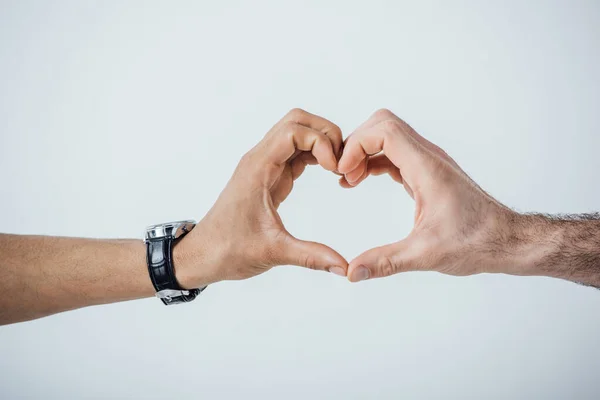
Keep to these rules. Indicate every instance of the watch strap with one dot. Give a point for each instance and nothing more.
(159, 253)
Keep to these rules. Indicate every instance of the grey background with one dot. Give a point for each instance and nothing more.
(101, 102)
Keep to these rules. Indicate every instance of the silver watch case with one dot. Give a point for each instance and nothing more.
(169, 229)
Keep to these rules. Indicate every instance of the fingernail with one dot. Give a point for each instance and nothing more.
(337, 270)
(360, 274)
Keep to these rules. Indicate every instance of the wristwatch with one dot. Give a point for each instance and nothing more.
(160, 240)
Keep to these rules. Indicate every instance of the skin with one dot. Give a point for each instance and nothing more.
(459, 229)
(243, 230)
(240, 237)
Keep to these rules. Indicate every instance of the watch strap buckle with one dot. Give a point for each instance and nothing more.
(168, 294)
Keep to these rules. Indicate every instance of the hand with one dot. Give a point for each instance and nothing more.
(243, 235)
(459, 229)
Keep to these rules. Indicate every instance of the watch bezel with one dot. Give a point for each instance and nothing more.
(169, 229)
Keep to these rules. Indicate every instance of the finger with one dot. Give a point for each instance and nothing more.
(331, 130)
(384, 131)
(380, 164)
(344, 183)
(376, 166)
(291, 137)
(282, 186)
(347, 185)
(311, 255)
(298, 167)
(375, 118)
(335, 136)
(435, 149)
(300, 163)
(384, 114)
(401, 149)
(352, 156)
(402, 256)
(358, 172)
(291, 171)
(361, 178)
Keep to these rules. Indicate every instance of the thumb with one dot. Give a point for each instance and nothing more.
(402, 256)
(312, 255)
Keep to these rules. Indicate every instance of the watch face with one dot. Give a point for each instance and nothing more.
(169, 229)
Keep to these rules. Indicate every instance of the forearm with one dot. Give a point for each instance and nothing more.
(566, 247)
(44, 275)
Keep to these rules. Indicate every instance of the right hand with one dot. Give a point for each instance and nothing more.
(243, 235)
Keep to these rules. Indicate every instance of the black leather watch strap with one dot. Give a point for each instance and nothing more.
(159, 253)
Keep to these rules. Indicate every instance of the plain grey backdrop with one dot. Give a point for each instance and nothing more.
(107, 108)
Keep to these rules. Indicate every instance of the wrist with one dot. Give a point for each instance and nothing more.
(527, 242)
(193, 261)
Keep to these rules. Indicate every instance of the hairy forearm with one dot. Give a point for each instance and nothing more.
(43, 275)
(562, 246)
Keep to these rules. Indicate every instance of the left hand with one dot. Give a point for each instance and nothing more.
(459, 229)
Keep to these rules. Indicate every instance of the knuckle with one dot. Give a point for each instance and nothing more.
(351, 140)
(247, 160)
(383, 113)
(391, 126)
(247, 157)
(289, 128)
(309, 261)
(335, 135)
(386, 266)
(389, 132)
(335, 130)
(295, 113)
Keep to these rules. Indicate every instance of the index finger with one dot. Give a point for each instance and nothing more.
(402, 150)
(291, 137)
(313, 121)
